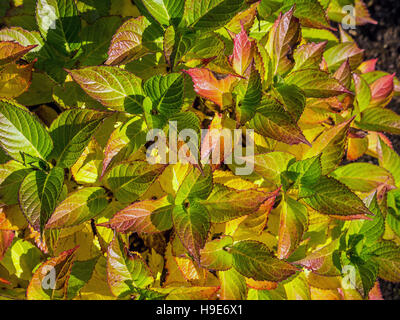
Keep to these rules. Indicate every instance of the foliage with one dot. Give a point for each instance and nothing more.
(82, 83)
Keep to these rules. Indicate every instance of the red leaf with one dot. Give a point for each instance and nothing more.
(368, 66)
(209, 87)
(381, 90)
(343, 74)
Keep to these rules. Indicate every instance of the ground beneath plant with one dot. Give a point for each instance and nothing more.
(382, 41)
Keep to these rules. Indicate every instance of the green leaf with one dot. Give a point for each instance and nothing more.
(334, 198)
(21, 132)
(225, 204)
(38, 196)
(316, 83)
(380, 119)
(207, 45)
(111, 86)
(233, 285)
(354, 176)
(166, 12)
(177, 44)
(71, 133)
(292, 98)
(272, 121)
(196, 185)
(214, 255)
(166, 93)
(125, 270)
(21, 258)
(393, 214)
(81, 273)
(389, 160)
(210, 14)
(363, 92)
(310, 12)
(96, 39)
(251, 99)
(128, 181)
(192, 225)
(124, 141)
(39, 92)
(148, 216)
(93, 10)
(387, 255)
(309, 56)
(270, 165)
(305, 173)
(12, 173)
(338, 54)
(78, 207)
(254, 260)
(59, 24)
(292, 226)
(331, 144)
(372, 230)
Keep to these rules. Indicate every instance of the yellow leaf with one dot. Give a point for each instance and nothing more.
(15, 80)
(88, 167)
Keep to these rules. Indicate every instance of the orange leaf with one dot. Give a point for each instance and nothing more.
(6, 238)
(375, 293)
(208, 86)
(11, 51)
(356, 148)
(261, 285)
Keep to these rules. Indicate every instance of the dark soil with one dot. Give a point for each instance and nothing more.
(382, 41)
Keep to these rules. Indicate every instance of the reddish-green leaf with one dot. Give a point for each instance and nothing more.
(133, 40)
(293, 224)
(242, 52)
(283, 38)
(226, 204)
(334, 198)
(331, 144)
(192, 224)
(254, 260)
(309, 56)
(79, 207)
(316, 83)
(148, 216)
(272, 121)
(113, 87)
(364, 177)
